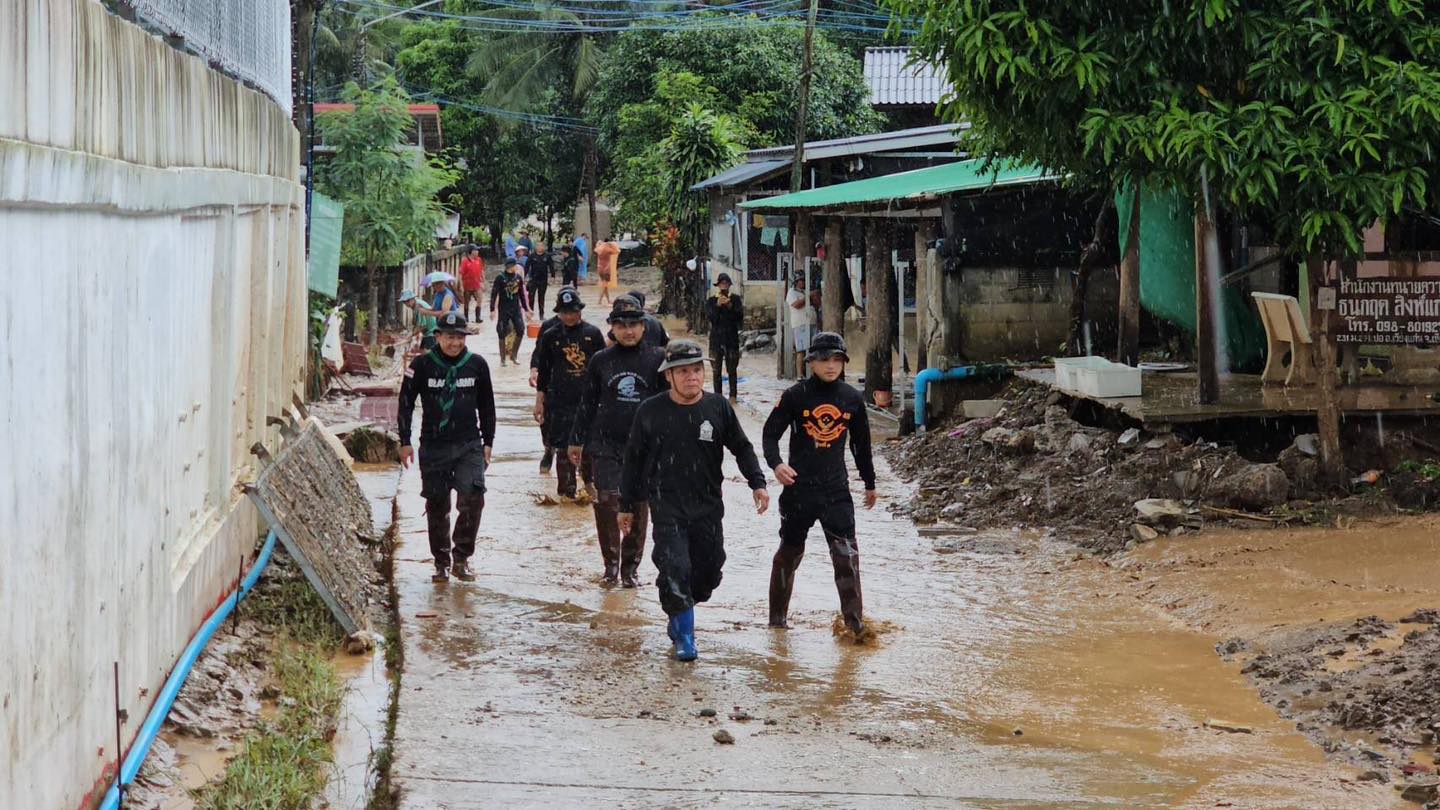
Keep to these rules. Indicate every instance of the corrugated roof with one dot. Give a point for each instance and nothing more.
(735, 175)
(895, 82)
(906, 187)
(937, 135)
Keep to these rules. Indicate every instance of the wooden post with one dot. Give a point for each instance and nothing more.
(1128, 350)
(832, 283)
(801, 246)
(1327, 415)
(1206, 333)
(879, 299)
(924, 233)
(950, 291)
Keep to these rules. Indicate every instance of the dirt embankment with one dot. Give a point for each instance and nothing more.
(1107, 487)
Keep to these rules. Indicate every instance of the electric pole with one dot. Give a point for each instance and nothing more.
(797, 168)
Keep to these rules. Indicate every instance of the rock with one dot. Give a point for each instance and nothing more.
(1079, 444)
(1303, 471)
(952, 511)
(741, 716)
(1373, 776)
(1226, 726)
(1420, 791)
(1416, 769)
(1308, 444)
(359, 642)
(1018, 732)
(981, 408)
(1129, 438)
(723, 737)
(1161, 511)
(707, 712)
(1142, 533)
(1016, 441)
(1187, 482)
(1252, 486)
(1422, 616)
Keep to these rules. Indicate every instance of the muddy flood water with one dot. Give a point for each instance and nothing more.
(1008, 673)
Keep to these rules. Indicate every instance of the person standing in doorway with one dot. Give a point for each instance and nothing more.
(802, 320)
(510, 310)
(672, 461)
(582, 250)
(457, 430)
(562, 355)
(472, 283)
(537, 276)
(607, 267)
(617, 380)
(726, 313)
(823, 414)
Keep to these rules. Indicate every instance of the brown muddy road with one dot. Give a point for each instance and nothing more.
(1006, 676)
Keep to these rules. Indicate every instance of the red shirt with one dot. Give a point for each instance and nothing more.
(472, 272)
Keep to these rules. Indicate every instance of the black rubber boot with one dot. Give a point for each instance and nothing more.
(782, 583)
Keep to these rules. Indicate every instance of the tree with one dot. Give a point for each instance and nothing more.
(389, 189)
(700, 144)
(1316, 117)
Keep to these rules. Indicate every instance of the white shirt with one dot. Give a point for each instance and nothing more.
(799, 317)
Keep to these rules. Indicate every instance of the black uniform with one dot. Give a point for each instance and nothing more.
(561, 358)
(617, 380)
(655, 334)
(725, 325)
(570, 270)
(507, 298)
(457, 422)
(821, 418)
(537, 277)
(673, 460)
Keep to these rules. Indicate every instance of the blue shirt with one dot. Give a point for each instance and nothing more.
(509, 247)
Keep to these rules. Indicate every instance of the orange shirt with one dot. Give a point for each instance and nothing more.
(607, 255)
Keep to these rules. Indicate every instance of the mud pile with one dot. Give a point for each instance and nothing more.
(1033, 464)
(1368, 689)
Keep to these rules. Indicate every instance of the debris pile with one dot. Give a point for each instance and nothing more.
(1032, 464)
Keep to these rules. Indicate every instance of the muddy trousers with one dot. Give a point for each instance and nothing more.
(799, 510)
(457, 467)
(689, 554)
(565, 472)
(620, 553)
(727, 355)
(510, 328)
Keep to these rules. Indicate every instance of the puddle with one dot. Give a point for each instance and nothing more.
(360, 731)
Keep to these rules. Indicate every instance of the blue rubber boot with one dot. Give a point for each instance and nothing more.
(670, 630)
(685, 636)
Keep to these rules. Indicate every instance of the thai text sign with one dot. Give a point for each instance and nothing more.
(1388, 310)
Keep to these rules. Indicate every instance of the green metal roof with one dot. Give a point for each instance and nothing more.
(912, 186)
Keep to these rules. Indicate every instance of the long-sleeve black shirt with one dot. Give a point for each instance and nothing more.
(819, 416)
(509, 291)
(674, 455)
(539, 270)
(725, 321)
(544, 327)
(561, 358)
(617, 380)
(471, 413)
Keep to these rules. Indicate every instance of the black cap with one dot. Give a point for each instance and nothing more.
(626, 309)
(638, 296)
(452, 322)
(682, 353)
(826, 345)
(511, 263)
(568, 301)
(723, 278)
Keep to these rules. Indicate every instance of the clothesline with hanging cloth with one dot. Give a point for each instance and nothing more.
(905, 189)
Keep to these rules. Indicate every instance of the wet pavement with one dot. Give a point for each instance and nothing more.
(1006, 673)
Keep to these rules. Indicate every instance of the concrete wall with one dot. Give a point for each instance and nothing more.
(153, 313)
(1010, 313)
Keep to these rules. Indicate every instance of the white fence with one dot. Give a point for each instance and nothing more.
(153, 308)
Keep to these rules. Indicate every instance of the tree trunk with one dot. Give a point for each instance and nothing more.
(587, 182)
(1128, 349)
(832, 280)
(1092, 256)
(372, 278)
(1206, 334)
(1327, 416)
(924, 233)
(879, 300)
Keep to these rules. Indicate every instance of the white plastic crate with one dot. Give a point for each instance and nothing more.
(1065, 368)
(1110, 380)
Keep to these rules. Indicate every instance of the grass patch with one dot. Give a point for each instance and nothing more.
(284, 764)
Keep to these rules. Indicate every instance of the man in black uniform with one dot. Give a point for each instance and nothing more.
(537, 276)
(655, 334)
(507, 296)
(547, 458)
(819, 412)
(457, 429)
(569, 267)
(726, 313)
(672, 460)
(617, 380)
(562, 356)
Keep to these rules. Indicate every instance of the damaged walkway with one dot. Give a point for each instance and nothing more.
(1006, 674)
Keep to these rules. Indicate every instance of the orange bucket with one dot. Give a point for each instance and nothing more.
(532, 329)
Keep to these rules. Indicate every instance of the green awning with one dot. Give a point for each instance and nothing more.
(918, 185)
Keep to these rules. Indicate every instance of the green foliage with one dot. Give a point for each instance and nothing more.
(701, 143)
(1319, 116)
(1428, 470)
(389, 190)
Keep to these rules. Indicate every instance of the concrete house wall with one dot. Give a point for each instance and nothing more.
(154, 313)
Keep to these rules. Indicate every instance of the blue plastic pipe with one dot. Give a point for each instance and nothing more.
(922, 384)
(156, 718)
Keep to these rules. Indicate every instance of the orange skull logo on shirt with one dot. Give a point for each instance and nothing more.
(825, 425)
